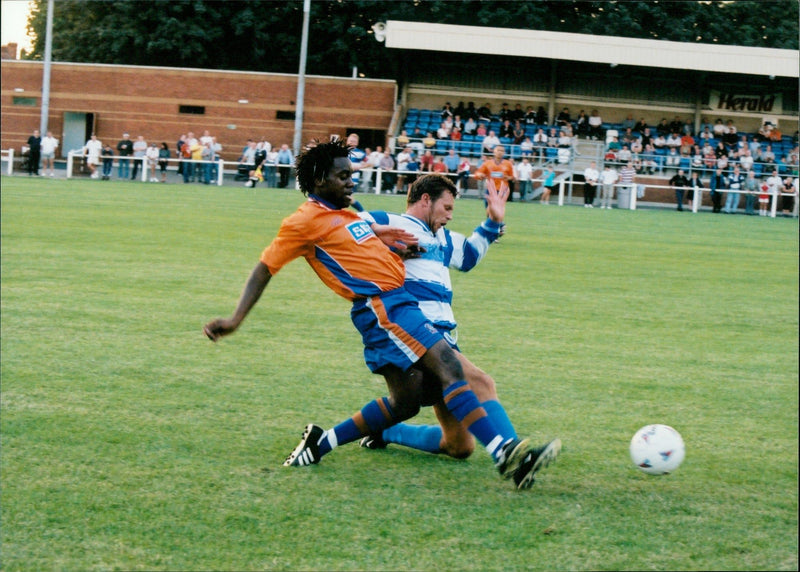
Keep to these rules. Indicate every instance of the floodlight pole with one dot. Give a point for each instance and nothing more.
(48, 56)
(301, 80)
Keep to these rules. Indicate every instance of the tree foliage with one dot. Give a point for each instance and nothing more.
(257, 35)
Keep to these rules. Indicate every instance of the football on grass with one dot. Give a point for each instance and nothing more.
(657, 449)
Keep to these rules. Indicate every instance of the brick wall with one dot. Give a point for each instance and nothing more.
(145, 101)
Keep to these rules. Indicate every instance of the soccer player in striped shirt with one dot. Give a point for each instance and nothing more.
(431, 201)
(347, 255)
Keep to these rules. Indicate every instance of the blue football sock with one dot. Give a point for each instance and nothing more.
(498, 414)
(463, 404)
(372, 419)
(422, 437)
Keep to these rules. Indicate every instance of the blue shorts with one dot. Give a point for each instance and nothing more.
(394, 330)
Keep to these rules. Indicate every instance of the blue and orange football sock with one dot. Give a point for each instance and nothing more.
(463, 404)
(498, 415)
(423, 437)
(373, 418)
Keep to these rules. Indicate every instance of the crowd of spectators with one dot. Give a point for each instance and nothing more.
(631, 146)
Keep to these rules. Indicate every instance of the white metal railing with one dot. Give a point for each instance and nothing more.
(8, 155)
(697, 199)
(147, 163)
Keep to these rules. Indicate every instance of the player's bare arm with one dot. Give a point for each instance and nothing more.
(496, 200)
(393, 237)
(258, 280)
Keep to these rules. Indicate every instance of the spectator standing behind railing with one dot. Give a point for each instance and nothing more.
(679, 182)
(608, 179)
(790, 194)
(34, 153)
(285, 161)
(387, 163)
(189, 143)
(357, 159)
(197, 158)
(524, 174)
(124, 150)
(107, 154)
(92, 151)
(207, 156)
(403, 159)
(590, 178)
(774, 186)
(139, 151)
(735, 183)
(270, 168)
(717, 185)
(451, 161)
(464, 170)
(49, 146)
(163, 160)
(751, 186)
(627, 176)
(152, 160)
(179, 153)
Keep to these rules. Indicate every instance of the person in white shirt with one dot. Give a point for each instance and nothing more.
(490, 142)
(590, 177)
(49, 146)
(403, 159)
(595, 125)
(152, 160)
(524, 174)
(774, 187)
(92, 151)
(608, 178)
(746, 161)
(540, 142)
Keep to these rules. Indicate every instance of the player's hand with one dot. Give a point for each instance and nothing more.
(411, 251)
(496, 200)
(218, 328)
(394, 237)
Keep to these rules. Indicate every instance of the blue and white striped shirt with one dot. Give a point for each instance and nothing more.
(428, 277)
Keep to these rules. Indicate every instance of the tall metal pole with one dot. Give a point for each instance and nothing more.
(301, 80)
(48, 56)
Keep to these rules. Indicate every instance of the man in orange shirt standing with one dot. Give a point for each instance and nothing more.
(499, 169)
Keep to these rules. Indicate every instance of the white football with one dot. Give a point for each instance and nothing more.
(657, 449)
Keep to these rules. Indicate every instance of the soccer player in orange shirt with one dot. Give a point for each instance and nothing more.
(499, 169)
(348, 256)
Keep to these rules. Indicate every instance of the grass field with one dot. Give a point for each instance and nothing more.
(130, 442)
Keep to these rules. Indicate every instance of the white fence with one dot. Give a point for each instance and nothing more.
(76, 157)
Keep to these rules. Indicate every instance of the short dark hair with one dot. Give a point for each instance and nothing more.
(433, 185)
(316, 160)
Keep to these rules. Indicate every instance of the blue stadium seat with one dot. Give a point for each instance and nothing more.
(506, 141)
(443, 146)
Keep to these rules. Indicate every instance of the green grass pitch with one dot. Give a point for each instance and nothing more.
(131, 442)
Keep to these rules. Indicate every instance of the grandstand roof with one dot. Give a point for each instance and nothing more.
(590, 48)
